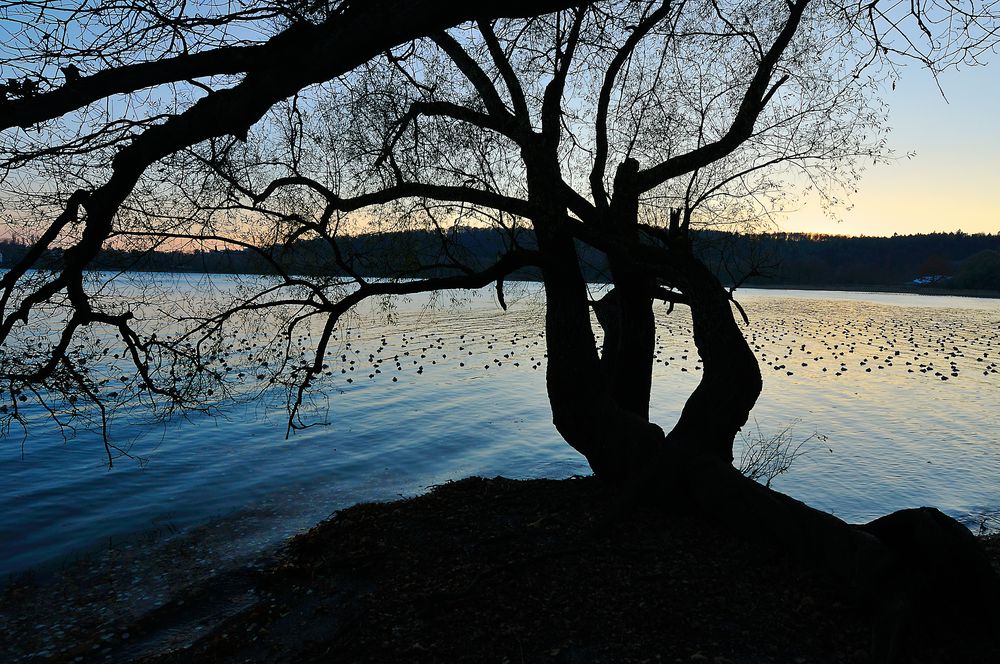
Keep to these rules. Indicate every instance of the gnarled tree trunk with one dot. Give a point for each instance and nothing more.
(886, 565)
(616, 440)
(907, 564)
(730, 380)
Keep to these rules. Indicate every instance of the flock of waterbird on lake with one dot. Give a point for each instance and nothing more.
(793, 339)
(813, 339)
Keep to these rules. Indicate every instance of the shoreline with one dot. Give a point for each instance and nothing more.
(104, 593)
(469, 570)
(902, 289)
(877, 288)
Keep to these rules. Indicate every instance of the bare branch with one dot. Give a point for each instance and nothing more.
(502, 63)
(755, 98)
(598, 191)
(552, 98)
(484, 86)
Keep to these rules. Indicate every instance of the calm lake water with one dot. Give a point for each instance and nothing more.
(904, 391)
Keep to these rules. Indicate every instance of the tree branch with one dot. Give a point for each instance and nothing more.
(597, 187)
(131, 78)
(445, 193)
(302, 55)
(503, 65)
(484, 86)
(552, 97)
(757, 95)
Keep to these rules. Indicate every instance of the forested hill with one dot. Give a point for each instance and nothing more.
(949, 260)
(957, 260)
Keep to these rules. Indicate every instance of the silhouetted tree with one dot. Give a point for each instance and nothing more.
(613, 125)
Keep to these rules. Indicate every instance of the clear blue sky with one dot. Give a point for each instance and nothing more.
(953, 182)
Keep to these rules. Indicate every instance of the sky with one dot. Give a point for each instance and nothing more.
(953, 181)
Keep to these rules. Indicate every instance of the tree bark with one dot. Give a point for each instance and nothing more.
(730, 381)
(616, 441)
(625, 314)
(900, 567)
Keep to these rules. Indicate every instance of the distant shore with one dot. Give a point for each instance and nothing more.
(880, 288)
(903, 289)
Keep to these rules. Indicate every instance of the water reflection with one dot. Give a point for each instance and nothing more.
(904, 388)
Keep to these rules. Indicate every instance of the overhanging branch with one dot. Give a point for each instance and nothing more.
(443, 193)
(301, 56)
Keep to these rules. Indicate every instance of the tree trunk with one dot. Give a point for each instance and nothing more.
(625, 313)
(906, 565)
(711, 418)
(730, 380)
(615, 440)
(893, 566)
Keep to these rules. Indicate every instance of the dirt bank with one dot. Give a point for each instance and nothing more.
(502, 570)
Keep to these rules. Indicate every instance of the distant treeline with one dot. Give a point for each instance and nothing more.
(947, 260)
